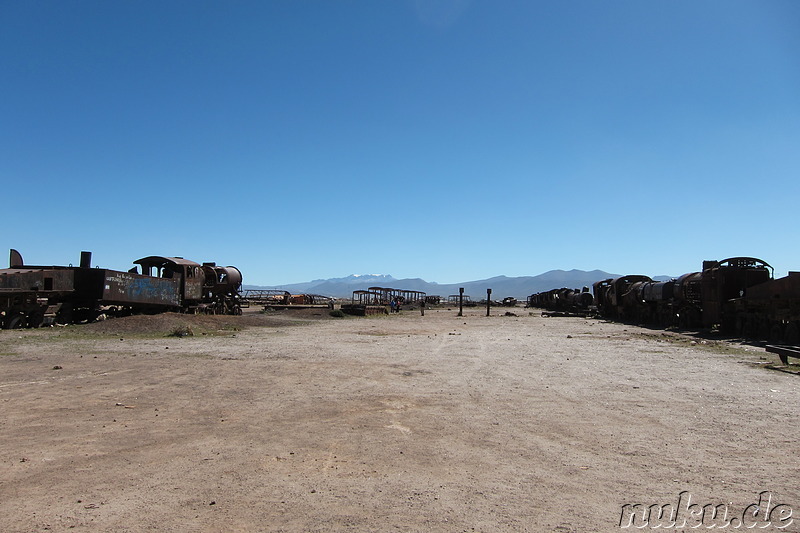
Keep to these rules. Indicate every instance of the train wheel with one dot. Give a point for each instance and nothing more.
(688, 319)
(792, 334)
(728, 325)
(35, 319)
(15, 322)
(65, 315)
(763, 329)
(776, 332)
(741, 322)
(750, 328)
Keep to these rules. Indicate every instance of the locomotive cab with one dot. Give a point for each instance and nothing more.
(617, 296)
(188, 272)
(728, 279)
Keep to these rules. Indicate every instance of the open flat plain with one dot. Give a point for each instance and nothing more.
(301, 422)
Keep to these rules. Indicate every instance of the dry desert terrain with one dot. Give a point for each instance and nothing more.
(296, 421)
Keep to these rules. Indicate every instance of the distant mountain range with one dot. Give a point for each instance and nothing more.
(502, 286)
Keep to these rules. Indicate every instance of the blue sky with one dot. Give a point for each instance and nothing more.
(450, 140)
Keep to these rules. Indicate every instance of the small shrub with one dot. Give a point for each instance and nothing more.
(182, 331)
(338, 313)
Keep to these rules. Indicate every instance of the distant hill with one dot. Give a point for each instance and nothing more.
(502, 286)
(326, 286)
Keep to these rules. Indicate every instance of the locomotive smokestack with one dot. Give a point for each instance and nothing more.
(86, 259)
(15, 259)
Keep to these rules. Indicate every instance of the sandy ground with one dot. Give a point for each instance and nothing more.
(304, 422)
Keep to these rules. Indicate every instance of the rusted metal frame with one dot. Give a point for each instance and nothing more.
(784, 352)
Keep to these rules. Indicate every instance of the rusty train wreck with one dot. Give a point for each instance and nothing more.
(33, 296)
(738, 295)
(563, 300)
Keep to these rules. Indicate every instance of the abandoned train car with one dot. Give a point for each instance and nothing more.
(32, 295)
(738, 295)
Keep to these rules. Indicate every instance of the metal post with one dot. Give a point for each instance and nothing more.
(488, 300)
(461, 301)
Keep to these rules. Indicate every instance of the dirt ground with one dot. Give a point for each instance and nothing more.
(301, 422)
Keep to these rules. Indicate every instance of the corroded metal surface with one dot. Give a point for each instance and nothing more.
(34, 295)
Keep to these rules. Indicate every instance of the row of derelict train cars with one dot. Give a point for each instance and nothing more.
(738, 296)
(33, 296)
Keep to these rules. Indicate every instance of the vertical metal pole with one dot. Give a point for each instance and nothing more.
(488, 300)
(461, 301)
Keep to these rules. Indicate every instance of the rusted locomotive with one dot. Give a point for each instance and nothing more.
(562, 300)
(31, 296)
(693, 300)
(738, 295)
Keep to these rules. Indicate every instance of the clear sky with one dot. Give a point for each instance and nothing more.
(450, 140)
